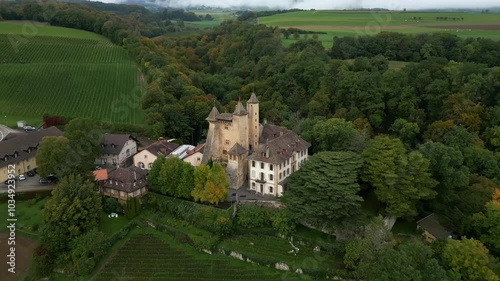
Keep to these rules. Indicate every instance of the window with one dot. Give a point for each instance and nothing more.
(262, 176)
(253, 164)
(226, 127)
(253, 174)
(228, 142)
(141, 165)
(270, 189)
(127, 153)
(279, 176)
(271, 167)
(198, 159)
(288, 171)
(261, 188)
(262, 165)
(114, 161)
(270, 177)
(150, 165)
(103, 161)
(253, 185)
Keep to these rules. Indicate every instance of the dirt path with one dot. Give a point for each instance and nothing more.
(24, 251)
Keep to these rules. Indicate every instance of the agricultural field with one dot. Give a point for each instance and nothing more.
(62, 71)
(359, 23)
(150, 255)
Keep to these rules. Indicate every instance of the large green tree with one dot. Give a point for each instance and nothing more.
(85, 139)
(73, 209)
(334, 134)
(216, 185)
(54, 157)
(324, 192)
(468, 259)
(401, 180)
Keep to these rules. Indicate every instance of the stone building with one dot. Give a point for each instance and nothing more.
(238, 139)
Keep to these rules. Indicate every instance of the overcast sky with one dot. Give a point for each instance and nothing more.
(334, 4)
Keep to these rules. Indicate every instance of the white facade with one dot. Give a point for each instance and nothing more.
(194, 159)
(144, 159)
(265, 178)
(129, 149)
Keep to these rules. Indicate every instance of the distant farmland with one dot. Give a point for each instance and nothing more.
(45, 69)
(359, 23)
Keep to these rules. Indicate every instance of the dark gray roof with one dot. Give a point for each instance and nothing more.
(237, 149)
(431, 224)
(162, 147)
(225, 117)
(113, 143)
(253, 98)
(24, 146)
(214, 113)
(126, 179)
(280, 147)
(239, 109)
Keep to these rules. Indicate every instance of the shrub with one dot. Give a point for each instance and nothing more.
(223, 225)
(132, 207)
(111, 205)
(253, 216)
(282, 222)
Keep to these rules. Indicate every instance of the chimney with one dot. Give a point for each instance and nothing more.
(267, 148)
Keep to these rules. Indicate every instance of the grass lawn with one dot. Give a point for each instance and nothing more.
(112, 225)
(29, 216)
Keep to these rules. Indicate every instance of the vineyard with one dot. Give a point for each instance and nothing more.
(157, 257)
(270, 249)
(87, 76)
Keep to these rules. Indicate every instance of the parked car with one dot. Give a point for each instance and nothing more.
(97, 168)
(30, 174)
(45, 181)
(52, 178)
(22, 177)
(29, 128)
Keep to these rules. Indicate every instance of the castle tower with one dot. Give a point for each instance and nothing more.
(240, 122)
(253, 122)
(212, 141)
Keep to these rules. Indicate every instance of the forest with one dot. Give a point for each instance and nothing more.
(433, 125)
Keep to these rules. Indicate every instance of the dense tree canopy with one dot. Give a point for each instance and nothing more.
(324, 192)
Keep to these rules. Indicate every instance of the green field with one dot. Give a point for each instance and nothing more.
(29, 214)
(359, 23)
(45, 69)
(155, 256)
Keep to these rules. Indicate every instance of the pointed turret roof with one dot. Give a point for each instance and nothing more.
(240, 110)
(213, 114)
(253, 98)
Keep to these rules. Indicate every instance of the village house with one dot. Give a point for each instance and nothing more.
(20, 151)
(195, 155)
(256, 156)
(116, 149)
(123, 183)
(145, 158)
(432, 229)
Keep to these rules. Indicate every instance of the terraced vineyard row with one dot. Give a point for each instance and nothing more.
(87, 76)
(277, 249)
(58, 50)
(149, 257)
(105, 92)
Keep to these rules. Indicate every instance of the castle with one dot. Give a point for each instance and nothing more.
(259, 156)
